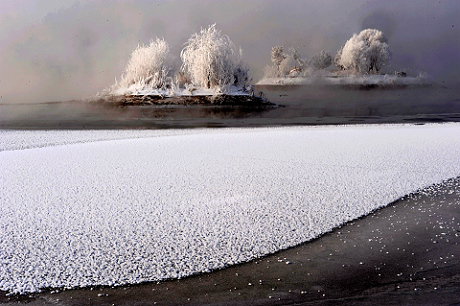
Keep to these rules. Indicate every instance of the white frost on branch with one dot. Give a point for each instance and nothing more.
(147, 68)
(212, 61)
(277, 56)
(322, 60)
(285, 65)
(365, 52)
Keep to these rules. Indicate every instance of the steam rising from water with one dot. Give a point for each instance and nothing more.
(73, 49)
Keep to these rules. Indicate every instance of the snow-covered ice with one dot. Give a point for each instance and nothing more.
(20, 140)
(81, 208)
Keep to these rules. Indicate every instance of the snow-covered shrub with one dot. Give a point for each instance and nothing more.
(322, 60)
(287, 65)
(338, 60)
(211, 60)
(271, 71)
(277, 56)
(365, 52)
(295, 57)
(181, 79)
(147, 67)
(240, 74)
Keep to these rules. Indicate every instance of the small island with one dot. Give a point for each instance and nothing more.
(212, 73)
(362, 63)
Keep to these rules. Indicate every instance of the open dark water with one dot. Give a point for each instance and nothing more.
(298, 105)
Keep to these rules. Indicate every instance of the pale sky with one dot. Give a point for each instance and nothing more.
(68, 49)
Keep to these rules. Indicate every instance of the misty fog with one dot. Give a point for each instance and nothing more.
(53, 51)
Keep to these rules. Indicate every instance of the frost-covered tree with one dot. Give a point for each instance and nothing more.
(211, 60)
(288, 65)
(294, 56)
(148, 66)
(338, 59)
(365, 52)
(270, 71)
(277, 56)
(322, 60)
(285, 64)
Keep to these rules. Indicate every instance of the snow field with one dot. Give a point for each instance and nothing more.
(78, 211)
(11, 140)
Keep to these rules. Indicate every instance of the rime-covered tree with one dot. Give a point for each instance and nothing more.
(287, 66)
(211, 60)
(148, 66)
(365, 52)
(278, 56)
(338, 59)
(294, 56)
(322, 60)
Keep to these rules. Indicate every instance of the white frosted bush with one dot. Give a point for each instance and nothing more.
(288, 65)
(211, 60)
(298, 62)
(148, 66)
(338, 59)
(271, 71)
(322, 60)
(365, 52)
(277, 56)
(284, 64)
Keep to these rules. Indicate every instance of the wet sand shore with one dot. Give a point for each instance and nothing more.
(404, 254)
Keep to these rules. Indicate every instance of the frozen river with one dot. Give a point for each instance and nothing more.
(85, 208)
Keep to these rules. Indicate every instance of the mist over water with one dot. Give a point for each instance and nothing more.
(297, 105)
(71, 49)
(75, 49)
(325, 101)
(53, 57)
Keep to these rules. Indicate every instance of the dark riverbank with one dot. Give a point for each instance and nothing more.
(248, 101)
(406, 253)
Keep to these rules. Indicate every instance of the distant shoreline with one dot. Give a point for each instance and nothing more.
(348, 81)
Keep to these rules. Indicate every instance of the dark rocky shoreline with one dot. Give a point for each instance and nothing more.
(205, 100)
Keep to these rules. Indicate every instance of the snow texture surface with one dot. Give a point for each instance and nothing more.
(148, 205)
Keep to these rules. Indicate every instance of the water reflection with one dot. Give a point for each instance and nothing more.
(355, 101)
(300, 105)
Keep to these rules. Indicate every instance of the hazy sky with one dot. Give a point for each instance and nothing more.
(65, 49)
